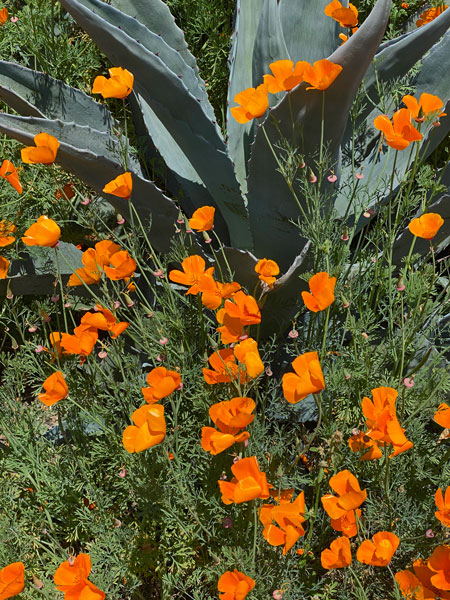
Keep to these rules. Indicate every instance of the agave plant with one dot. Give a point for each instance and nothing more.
(174, 119)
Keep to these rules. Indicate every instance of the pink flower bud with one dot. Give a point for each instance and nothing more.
(32, 328)
(102, 354)
(39, 349)
(332, 178)
(409, 382)
(277, 594)
(163, 341)
(85, 201)
(123, 472)
(293, 334)
(359, 176)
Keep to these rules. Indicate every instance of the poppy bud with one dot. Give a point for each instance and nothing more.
(400, 284)
(311, 176)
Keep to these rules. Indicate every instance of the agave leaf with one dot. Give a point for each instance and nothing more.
(155, 44)
(269, 43)
(156, 16)
(429, 78)
(84, 152)
(319, 35)
(271, 203)
(240, 63)
(197, 136)
(31, 93)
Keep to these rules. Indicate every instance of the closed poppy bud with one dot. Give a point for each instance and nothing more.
(426, 226)
(378, 551)
(44, 152)
(55, 389)
(234, 585)
(4, 266)
(119, 84)
(45, 232)
(338, 555)
(12, 580)
(322, 292)
(121, 186)
(202, 219)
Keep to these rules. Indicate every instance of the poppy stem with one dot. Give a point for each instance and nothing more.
(356, 578)
(322, 127)
(61, 287)
(325, 331)
(255, 534)
(387, 462)
(202, 321)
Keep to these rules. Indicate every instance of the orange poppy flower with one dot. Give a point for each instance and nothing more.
(379, 551)
(234, 585)
(349, 495)
(439, 564)
(243, 307)
(119, 84)
(443, 504)
(215, 442)
(321, 75)
(121, 186)
(203, 218)
(346, 17)
(231, 415)
(307, 379)
(6, 231)
(3, 15)
(12, 580)
(361, 441)
(426, 226)
(71, 577)
(55, 341)
(213, 292)
(322, 292)
(43, 152)
(289, 517)
(253, 103)
(94, 260)
(248, 355)
(123, 266)
(427, 105)
(193, 270)
(9, 172)
(149, 428)
(224, 367)
(418, 585)
(82, 341)
(55, 388)
(231, 329)
(338, 555)
(442, 415)
(104, 319)
(347, 523)
(381, 419)
(429, 15)
(45, 232)
(400, 132)
(4, 266)
(247, 484)
(267, 269)
(285, 76)
(162, 383)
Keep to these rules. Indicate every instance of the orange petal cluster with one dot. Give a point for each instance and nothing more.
(214, 292)
(426, 226)
(149, 428)
(6, 233)
(288, 517)
(234, 585)
(71, 578)
(429, 579)
(81, 342)
(44, 151)
(247, 484)
(193, 270)
(338, 555)
(285, 76)
(202, 219)
(45, 232)
(55, 388)
(442, 415)
(346, 17)
(12, 580)
(267, 270)
(105, 320)
(225, 368)
(237, 313)
(119, 84)
(121, 186)
(400, 132)
(307, 379)
(382, 423)
(443, 504)
(429, 15)
(253, 103)
(378, 551)
(428, 104)
(3, 15)
(98, 259)
(229, 417)
(349, 497)
(322, 292)
(4, 266)
(9, 172)
(162, 382)
(321, 74)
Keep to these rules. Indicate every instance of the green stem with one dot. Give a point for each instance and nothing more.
(356, 578)
(255, 534)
